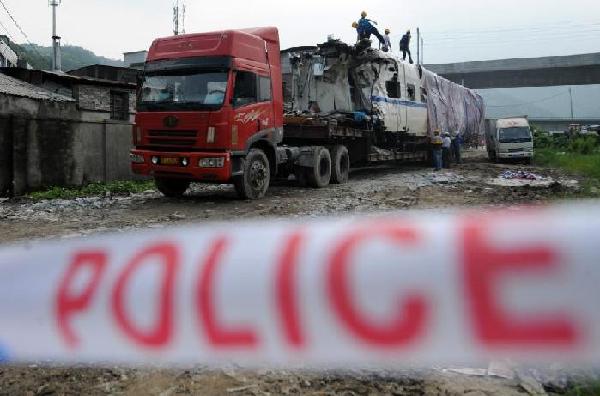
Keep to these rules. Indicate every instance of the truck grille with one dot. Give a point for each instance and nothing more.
(517, 150)
(172, 138)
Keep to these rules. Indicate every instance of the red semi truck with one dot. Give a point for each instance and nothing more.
(211, 110)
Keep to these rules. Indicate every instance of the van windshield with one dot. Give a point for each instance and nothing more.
(184, 90)
(515, 135)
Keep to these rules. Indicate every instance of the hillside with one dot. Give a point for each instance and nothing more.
(73, 57)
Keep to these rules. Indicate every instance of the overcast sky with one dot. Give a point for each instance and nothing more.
(453, 30)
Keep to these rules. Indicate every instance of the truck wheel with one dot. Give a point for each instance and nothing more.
(254, 183)
(172, 188)
(341, 165)
(319, 175)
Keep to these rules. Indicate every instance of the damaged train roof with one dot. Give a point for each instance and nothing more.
(335, 77)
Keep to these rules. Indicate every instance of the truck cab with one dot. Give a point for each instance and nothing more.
(210, 109)
(509, 138)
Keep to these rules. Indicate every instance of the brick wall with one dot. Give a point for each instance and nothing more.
(97, 98)
(94, 101)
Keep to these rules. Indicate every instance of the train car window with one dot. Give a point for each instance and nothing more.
(423, 95)
(393, 89)
(264, 89)
(245, 91)
(410, 88)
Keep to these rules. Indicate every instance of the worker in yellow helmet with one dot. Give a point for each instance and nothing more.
(366, 28)
(388, 41)
(355, 26)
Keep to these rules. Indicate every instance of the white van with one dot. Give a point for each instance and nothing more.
(509, 138)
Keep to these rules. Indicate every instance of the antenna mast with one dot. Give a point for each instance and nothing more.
(56, 61)
(179, 18)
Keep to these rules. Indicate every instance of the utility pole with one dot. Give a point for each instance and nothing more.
(571, 96)
(422, 51)
(418, 46)
(56, 61)
(178, 18)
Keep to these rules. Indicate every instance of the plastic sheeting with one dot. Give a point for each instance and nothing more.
(452, 107)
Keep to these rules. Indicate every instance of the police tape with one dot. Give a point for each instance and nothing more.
(424, 288)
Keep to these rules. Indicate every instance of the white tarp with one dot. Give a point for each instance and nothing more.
(452, 107)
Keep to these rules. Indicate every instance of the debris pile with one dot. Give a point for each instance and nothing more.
(522, 178)
(520, 175)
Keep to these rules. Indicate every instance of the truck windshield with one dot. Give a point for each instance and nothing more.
(196, 90)
(515, 135)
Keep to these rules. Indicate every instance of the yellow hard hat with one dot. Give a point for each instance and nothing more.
(363, 14)
(354, 24)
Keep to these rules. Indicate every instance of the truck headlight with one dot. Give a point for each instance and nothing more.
(211, 162)
(136, 158)
(155, 160)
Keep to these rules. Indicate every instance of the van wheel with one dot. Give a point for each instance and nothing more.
(319, 175)
(172, 188)
(254, 183)
(341, 165)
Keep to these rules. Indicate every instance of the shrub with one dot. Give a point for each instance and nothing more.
(583, 145)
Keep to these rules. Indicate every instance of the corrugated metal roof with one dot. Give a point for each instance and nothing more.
(12, 86)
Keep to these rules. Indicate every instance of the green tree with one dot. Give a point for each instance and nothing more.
(73, 57)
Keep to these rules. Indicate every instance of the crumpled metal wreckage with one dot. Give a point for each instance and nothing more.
(335, 78)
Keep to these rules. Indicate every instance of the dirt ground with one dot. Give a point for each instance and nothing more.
(474, 183)
(369, 190)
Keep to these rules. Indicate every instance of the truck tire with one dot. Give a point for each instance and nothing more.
(319, 175)
(254, 183)
(341, 165)
(172, 188)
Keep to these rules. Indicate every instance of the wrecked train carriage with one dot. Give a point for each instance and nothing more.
(379, 106)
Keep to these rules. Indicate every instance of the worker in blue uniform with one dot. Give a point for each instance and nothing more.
(366, 27)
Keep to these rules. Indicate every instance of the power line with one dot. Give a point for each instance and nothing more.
(7, 32)
(548, 36)
(533, 102)
(526, 29)
(14, 42)
(558, 27)
(15, 22)
(20, 29)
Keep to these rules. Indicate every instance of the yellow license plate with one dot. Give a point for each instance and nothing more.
(169, 161)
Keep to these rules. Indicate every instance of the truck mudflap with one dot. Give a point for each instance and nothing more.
(208, 167)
